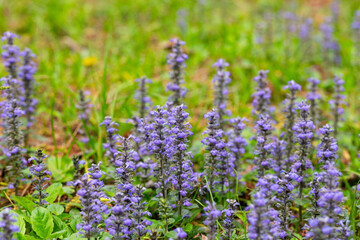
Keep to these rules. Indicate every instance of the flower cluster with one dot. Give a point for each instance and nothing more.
(216, 156)
(261, 98)
(337, 102)
(141, 95)
(40, 176)
(7, 226)
(211, 216)
(221, 81)
(236, 142)
(306, 29)
(278, 161)
(139, 213)
(262, 151)
(313, 97)
(182, 176)
(176, 59)
(84, 110)
(77, 162)
(331, 48)
(90, 193)
(290, 114)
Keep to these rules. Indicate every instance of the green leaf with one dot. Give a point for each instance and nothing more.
(19, 222)
(57, 234)
(25, 237)
(56, 209)
(54, 191)
(301, 201)
(42, 222)
(61, 168)
(171, 234)
(188, 227)
(25, 202)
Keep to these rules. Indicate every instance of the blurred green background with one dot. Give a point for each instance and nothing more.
(103, 46)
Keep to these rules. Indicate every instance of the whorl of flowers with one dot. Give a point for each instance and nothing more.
(7, 226)
(161, 145)
(290, 115)
(313, 97)
(327, 149)
(236, 142)
(216, 156)
(40, 176)
(90, 193)
(211, 216)
(26, 74)
(10, 54)
(182, 176)
(141, 95)
(263, 145)
(261, 217)
(176, 59)
(113, 139)
(140, 213)
(278, 161)
(221, 82)
(125, 167)
(338, 102)
(12, 142)
(228, 222)
(261, 98)
(84, 107)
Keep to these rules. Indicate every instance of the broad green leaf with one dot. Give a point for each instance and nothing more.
(42, 222)
(188, 227)
(56, 209)
(171, 234)
(25, 202)
(20, 236)
(19, 222)
(54, 191)
(59, 226)
(301, 201)
(58, 234)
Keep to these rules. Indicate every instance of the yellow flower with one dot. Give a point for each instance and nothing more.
(89, 61)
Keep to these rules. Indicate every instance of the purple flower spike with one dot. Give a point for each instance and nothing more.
(261, 98)
(84, 107)
(216, 156)
(10, 54)
(90, 193)
(212, 215)
(142, 97)
(338, 102)
(327, 149)
(290, 113)
(221, 82)
(182, 175)
(236, 142)
(180, 233)
(40, 176)
(7, 225)
(113, 139)
(313, 97)
(228, 223)
(176, 59)
(263, 146)
(303, 130)
(26, 74)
